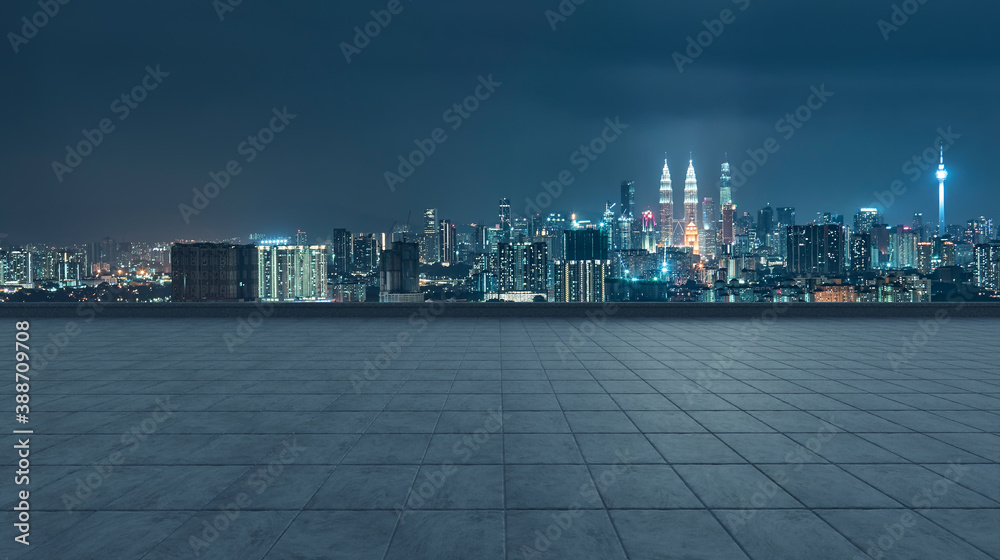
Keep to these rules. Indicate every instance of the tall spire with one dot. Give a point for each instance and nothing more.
(666, 206)
(942, 174)
(690, 185)
(691, 224)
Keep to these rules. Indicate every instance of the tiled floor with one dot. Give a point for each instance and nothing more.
(508, 438)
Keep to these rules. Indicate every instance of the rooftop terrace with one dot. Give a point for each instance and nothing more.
(437, 437)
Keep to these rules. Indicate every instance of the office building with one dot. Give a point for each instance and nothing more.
(666, 208)
(430, 248)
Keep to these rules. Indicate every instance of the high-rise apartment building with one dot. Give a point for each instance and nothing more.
(399, 274)
(202, 272)
(292, 272)
(815, 249)
(581, 281)
(343, 252)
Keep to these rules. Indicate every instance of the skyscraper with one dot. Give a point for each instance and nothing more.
(448, 243)
(726, 186)
(666, 207)
(586, 245)
(866, 219)
(301, 238)
(505, 223)
(816, 249)
(213, 272)
(709, 220)
(628, 199)
(765, 225)
(861, 252)
(726, 202)
(581, 281)
(918, 225)
(728, 223)
(430, 249)
(986, 259)
(366, 253)
(942, 174)
(399, 274)
(691, 206)
(292, 272)
(343, 252)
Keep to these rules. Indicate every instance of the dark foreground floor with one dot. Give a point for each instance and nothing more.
(511, 438)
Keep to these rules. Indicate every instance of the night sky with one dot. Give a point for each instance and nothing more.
(326, 168)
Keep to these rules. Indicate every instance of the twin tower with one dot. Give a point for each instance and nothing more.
(687, 232)
(690, 224)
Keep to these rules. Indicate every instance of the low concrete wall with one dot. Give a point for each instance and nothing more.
(500, 310)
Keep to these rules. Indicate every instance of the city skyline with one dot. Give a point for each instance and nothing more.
(691, 204)
(891, 92)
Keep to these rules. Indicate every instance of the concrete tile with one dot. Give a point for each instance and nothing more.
(562, 534)
(734, 486)
(895, 533)
(689, 534)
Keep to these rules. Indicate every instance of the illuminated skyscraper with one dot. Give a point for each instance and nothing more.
(726, 186)
(648, 232)
(448, 242)
(866, 219)
(666, 207)
(816, 249)
(343, 252)
(505, 224)
(709, 221)
(942, 174)
(691, 206)
(430, 249)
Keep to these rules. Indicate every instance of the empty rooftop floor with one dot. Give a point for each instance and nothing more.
(506, 438)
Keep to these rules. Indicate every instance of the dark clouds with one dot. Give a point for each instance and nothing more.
(608, 59)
